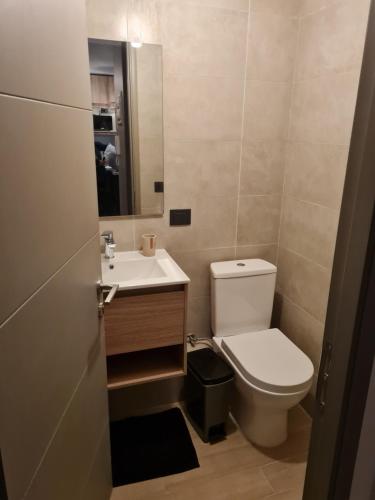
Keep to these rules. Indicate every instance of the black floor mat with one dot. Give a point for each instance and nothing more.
(151, 446)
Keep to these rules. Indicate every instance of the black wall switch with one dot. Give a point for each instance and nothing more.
(180, 217)
(159, 187)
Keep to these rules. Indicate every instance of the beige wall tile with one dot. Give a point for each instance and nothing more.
(309, 230)
(202, 108)
(316, 173)
(271, 47)
(215, 222)
(304, 330)
(283, 8)
(203, 41)
(144, 21)
(123, 233)
(170, 238)
(323, 102)
(59, 151)
(212, 226)
(323, 109)
(37, 60)
(196, 167)
(258, 219)
(265, 252)
(34, 347)
(266, 111)
(199, 317)
(308, 7)
(196, 265)
(108, 19)
(262, 167)
(332, 40)
(304, 283)
(242, 5)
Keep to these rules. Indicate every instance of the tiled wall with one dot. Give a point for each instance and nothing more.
(271, 45)
(204, 54)
(258, 113)
(233, 187)
(325, 84)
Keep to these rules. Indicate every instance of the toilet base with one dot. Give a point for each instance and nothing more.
(262, 416)
(263, 428)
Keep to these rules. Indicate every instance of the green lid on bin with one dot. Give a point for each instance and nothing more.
(209, 367)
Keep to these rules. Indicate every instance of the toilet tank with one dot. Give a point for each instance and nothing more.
(242, 293)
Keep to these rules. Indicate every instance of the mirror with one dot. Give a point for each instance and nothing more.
(127, 104)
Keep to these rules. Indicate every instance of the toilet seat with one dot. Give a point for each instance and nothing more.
(269, 361)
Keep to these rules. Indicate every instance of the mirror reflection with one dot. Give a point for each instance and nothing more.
(127, 105)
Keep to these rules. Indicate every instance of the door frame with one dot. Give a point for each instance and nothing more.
(358, 383)
(3, 489)
(348, 346)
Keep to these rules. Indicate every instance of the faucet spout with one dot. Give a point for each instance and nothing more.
(110, 245)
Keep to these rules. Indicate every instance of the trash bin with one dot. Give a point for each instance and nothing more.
(208, 384)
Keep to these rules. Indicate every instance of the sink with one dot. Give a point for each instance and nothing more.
(130, 270)
(133, 270)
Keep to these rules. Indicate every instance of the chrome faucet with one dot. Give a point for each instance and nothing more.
(110, 245)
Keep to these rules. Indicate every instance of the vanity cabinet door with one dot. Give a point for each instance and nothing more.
(144, 321)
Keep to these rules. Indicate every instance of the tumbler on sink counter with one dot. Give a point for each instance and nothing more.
(148, 245)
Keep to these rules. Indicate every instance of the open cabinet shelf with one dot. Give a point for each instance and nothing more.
(145, 366)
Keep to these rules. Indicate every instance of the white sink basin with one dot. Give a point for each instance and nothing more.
(133, 270)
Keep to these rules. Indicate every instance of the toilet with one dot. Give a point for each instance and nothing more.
(271, 373)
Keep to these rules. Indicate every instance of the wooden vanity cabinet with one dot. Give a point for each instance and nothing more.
(138, 321)
(145, 335)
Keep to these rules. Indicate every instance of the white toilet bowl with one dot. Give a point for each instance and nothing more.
(271, 376)
(271, 373)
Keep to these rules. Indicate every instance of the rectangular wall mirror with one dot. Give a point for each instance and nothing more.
(127, 105)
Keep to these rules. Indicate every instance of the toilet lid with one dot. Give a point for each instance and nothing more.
(269, 360)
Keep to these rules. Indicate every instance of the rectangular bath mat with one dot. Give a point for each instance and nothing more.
(151, 446)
